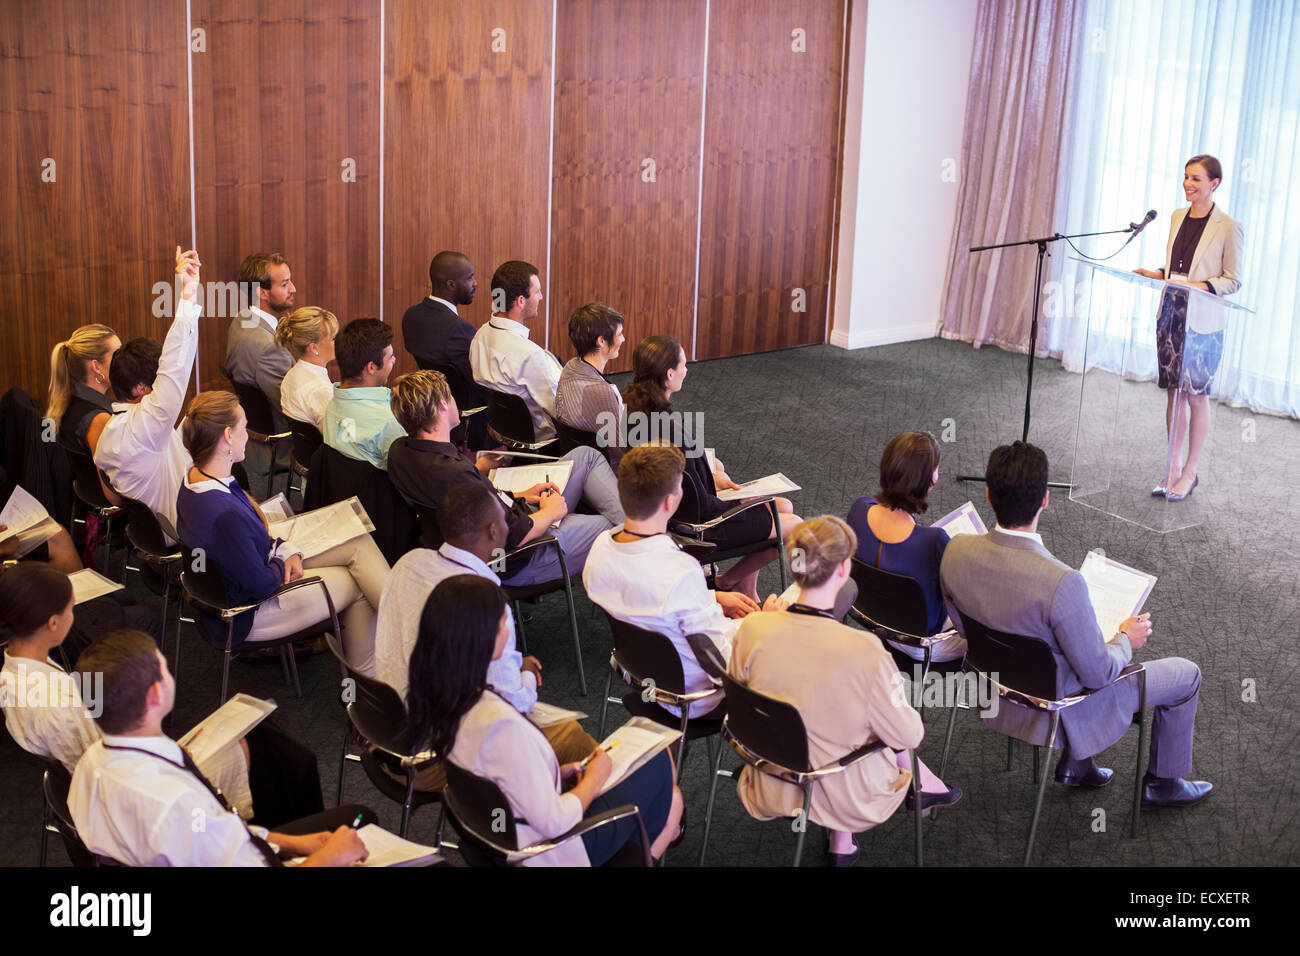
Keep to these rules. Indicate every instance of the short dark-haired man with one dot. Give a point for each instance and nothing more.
(252, 355)
(137, 797)
(639, 575)
(501, 354)
(425, 465)
(1009, 581)
(584, 399)
(358, 421)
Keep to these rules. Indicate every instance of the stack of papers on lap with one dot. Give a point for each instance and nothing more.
(26, 519)
(228, 723)
(520, 478)
(777, 484)
(548, 715)
(88, 584)
(638, 741)
(315, 532)
(965, 520)
(1117, 591)
(277, 508)
(388, 849)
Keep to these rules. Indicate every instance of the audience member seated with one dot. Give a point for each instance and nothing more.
(136, 794)
(848, 692)
(79, 383)
(253, 355)
(140, 449)
(584, 399)
(639, 575)
(425, 465)
(218, 516)
(474, 526)
(1009, 581)
(53, 721)
(432, 329)
(308, 333)
(889, 537)
(465, 625)
(358, 422)
(658, 370)
(501, 355)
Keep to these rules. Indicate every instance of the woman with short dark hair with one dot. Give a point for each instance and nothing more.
(454, 712)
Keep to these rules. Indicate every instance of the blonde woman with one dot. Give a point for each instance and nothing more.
(79, 383)
(308, 334)
(215, 514)
(845, 686)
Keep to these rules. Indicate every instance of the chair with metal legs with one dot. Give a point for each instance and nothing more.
(1023, 670)
(145, 536)
(690, 524)
(88, 493)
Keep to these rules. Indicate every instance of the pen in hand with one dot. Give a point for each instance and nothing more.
(583, 765)
(356, 824)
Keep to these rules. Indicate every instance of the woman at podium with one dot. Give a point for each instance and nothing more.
(1204, 252)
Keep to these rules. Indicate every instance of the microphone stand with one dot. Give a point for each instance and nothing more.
(1041, 243)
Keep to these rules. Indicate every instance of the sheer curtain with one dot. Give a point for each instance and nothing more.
(1155, 83)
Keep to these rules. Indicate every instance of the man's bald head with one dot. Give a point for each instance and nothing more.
(452, 276)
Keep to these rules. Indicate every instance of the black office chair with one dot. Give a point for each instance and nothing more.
(87, 492)
(568, 438)
(306, 439)
(1023, 670)
(377, 715)
(769, 735)
(145, 535)
(205, 590)
(55, 785)
(690, 523)
(487, 825)
(262, 428)
(650, 664)
(472, 429)
(511, 423)
(431, 537)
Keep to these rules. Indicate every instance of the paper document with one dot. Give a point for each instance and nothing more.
(21, 512)
(228, 723)
(388, 849)
(711, 456)
(965, 520)
(777, 484)
(638, 741)
(1117, 591)
(506, 453)
(520, 478)
(277, 508)
(548, 715)
(315, 532)
(89, 583)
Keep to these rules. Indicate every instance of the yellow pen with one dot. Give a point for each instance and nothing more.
(583, 766)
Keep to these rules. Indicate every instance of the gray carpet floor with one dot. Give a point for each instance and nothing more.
(1226, 598)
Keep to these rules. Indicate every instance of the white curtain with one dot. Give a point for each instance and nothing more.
(1159, 81)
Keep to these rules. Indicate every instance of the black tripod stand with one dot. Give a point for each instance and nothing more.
(1133, 228)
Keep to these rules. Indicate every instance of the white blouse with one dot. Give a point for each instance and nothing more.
(305, 392)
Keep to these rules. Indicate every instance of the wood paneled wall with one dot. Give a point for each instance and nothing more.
(99, 91)
(285, 92)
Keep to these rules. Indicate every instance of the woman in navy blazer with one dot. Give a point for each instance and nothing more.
(1204, 252)
(215, 514)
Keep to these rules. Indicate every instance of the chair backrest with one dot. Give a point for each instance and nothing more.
(201, 577)
(571, 438)
(56, 784)
(768, 727)
(85, 480)
(509, 416)
(376, 710)
(691, 508)
(334, 476)
(482, 812)
(306, 439)
(647, 655)
(257, 407)
(430, 533)
(146, 534)
(891, 600)
(1022, 663)
(465, 393)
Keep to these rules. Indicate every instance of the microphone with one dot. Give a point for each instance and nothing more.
(1137, 227)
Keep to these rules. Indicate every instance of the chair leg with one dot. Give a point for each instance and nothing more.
(519, 628)
(577, 641)
(1142, 749)
(681, 741)
(1034, 778)
(1011, 743)
(225, 667)
(343, 760)
(708, 810)
(284, 664)
(604, 704)
(916, 795)
(406, 805)
(45, 831)
(1042, 786)
(293, 669)
(803, 823)
(947, 742)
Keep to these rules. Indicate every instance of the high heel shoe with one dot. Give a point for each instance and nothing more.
(1158, 491)
(1173, 496)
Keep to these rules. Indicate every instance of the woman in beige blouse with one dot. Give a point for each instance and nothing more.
(847, 689)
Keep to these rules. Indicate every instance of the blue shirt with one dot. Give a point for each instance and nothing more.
(359, 423)
(918, 556)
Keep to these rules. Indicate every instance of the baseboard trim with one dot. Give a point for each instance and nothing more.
(866, 338)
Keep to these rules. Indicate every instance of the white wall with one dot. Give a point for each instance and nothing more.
(908, 71)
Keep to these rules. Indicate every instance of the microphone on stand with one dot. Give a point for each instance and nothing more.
(1136, 227)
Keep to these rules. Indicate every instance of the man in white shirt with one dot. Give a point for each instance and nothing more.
(140, 449)
(501, 354)
(136, 796)
(638, 574)
(474, 524)
(252, 355)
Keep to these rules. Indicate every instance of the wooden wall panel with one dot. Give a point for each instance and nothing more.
(771, 144)
(466, 142)
(629, 81)
(286, 91)
(101, 90)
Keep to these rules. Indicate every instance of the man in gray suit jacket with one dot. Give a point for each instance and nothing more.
(252, 356)
(1008, 581)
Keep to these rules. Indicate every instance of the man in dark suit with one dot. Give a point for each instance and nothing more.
(1009, 581)
(435, 334)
